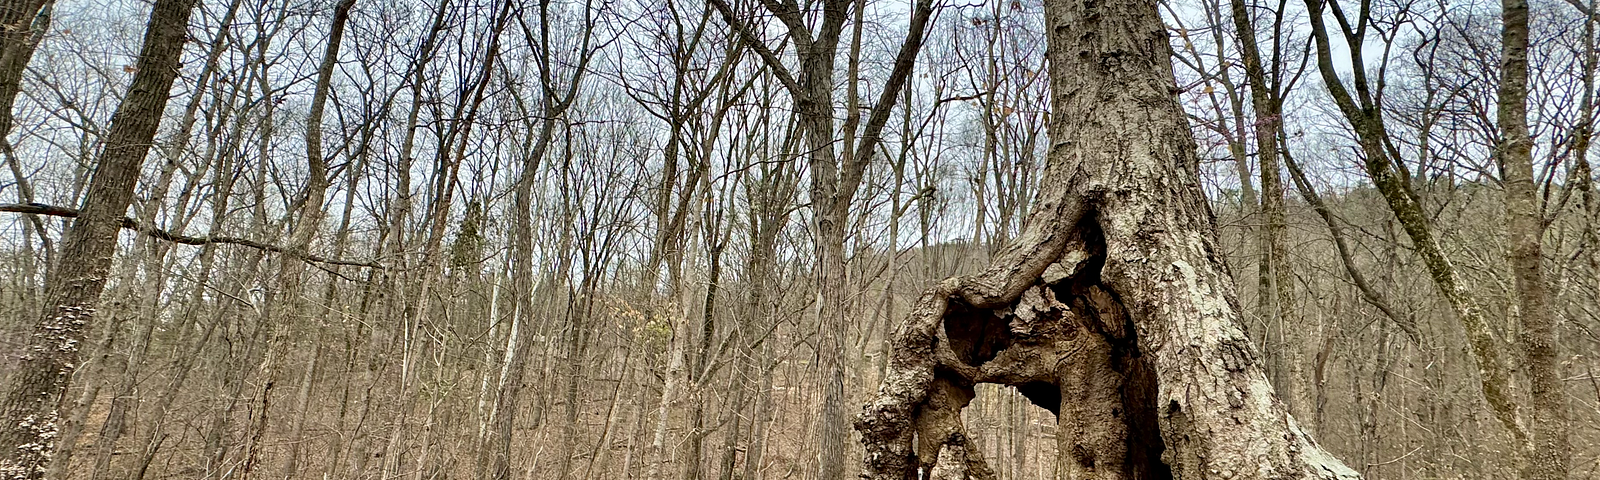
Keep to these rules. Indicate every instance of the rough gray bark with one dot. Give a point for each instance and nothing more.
(31, 407)
(1111, 308)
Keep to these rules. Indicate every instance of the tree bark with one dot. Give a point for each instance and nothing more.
(31, 407)
(311, 215)
(1112, 308)
(22, 27)
(22, 23)
(1275, 281)
(1550, 451)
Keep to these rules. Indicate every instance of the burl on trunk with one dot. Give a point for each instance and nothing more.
(1111, 309)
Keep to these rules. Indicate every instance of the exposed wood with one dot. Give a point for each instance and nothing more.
(1111, 308)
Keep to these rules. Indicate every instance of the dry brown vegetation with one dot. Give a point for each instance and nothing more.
(581, 239)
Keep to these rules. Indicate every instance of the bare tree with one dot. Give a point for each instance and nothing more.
(32, 405)
(835, 177)
(1275, 280)
(575, 239)
(1549, 453)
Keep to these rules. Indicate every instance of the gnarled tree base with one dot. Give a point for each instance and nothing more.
(1141, 362)
(1110, 309)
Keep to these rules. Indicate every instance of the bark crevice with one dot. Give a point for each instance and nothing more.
(1063, 336)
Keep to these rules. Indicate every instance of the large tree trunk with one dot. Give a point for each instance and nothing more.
(31, 407)
(1111, 308)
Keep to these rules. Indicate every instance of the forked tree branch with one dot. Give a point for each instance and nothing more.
(755, 43)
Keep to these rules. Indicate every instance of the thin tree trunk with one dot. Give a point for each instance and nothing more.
(1275, 281)
(1379, 162)
(834, 180)
(1549, 451)
(310, 206)
(142, 304)
(24, 23)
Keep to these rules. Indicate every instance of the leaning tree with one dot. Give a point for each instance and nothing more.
(30, 406)
(1111, 309)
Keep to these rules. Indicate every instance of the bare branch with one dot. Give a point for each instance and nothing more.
(767, 55)
(157, 233)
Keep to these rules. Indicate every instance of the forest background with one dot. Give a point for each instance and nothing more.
(576, 239)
